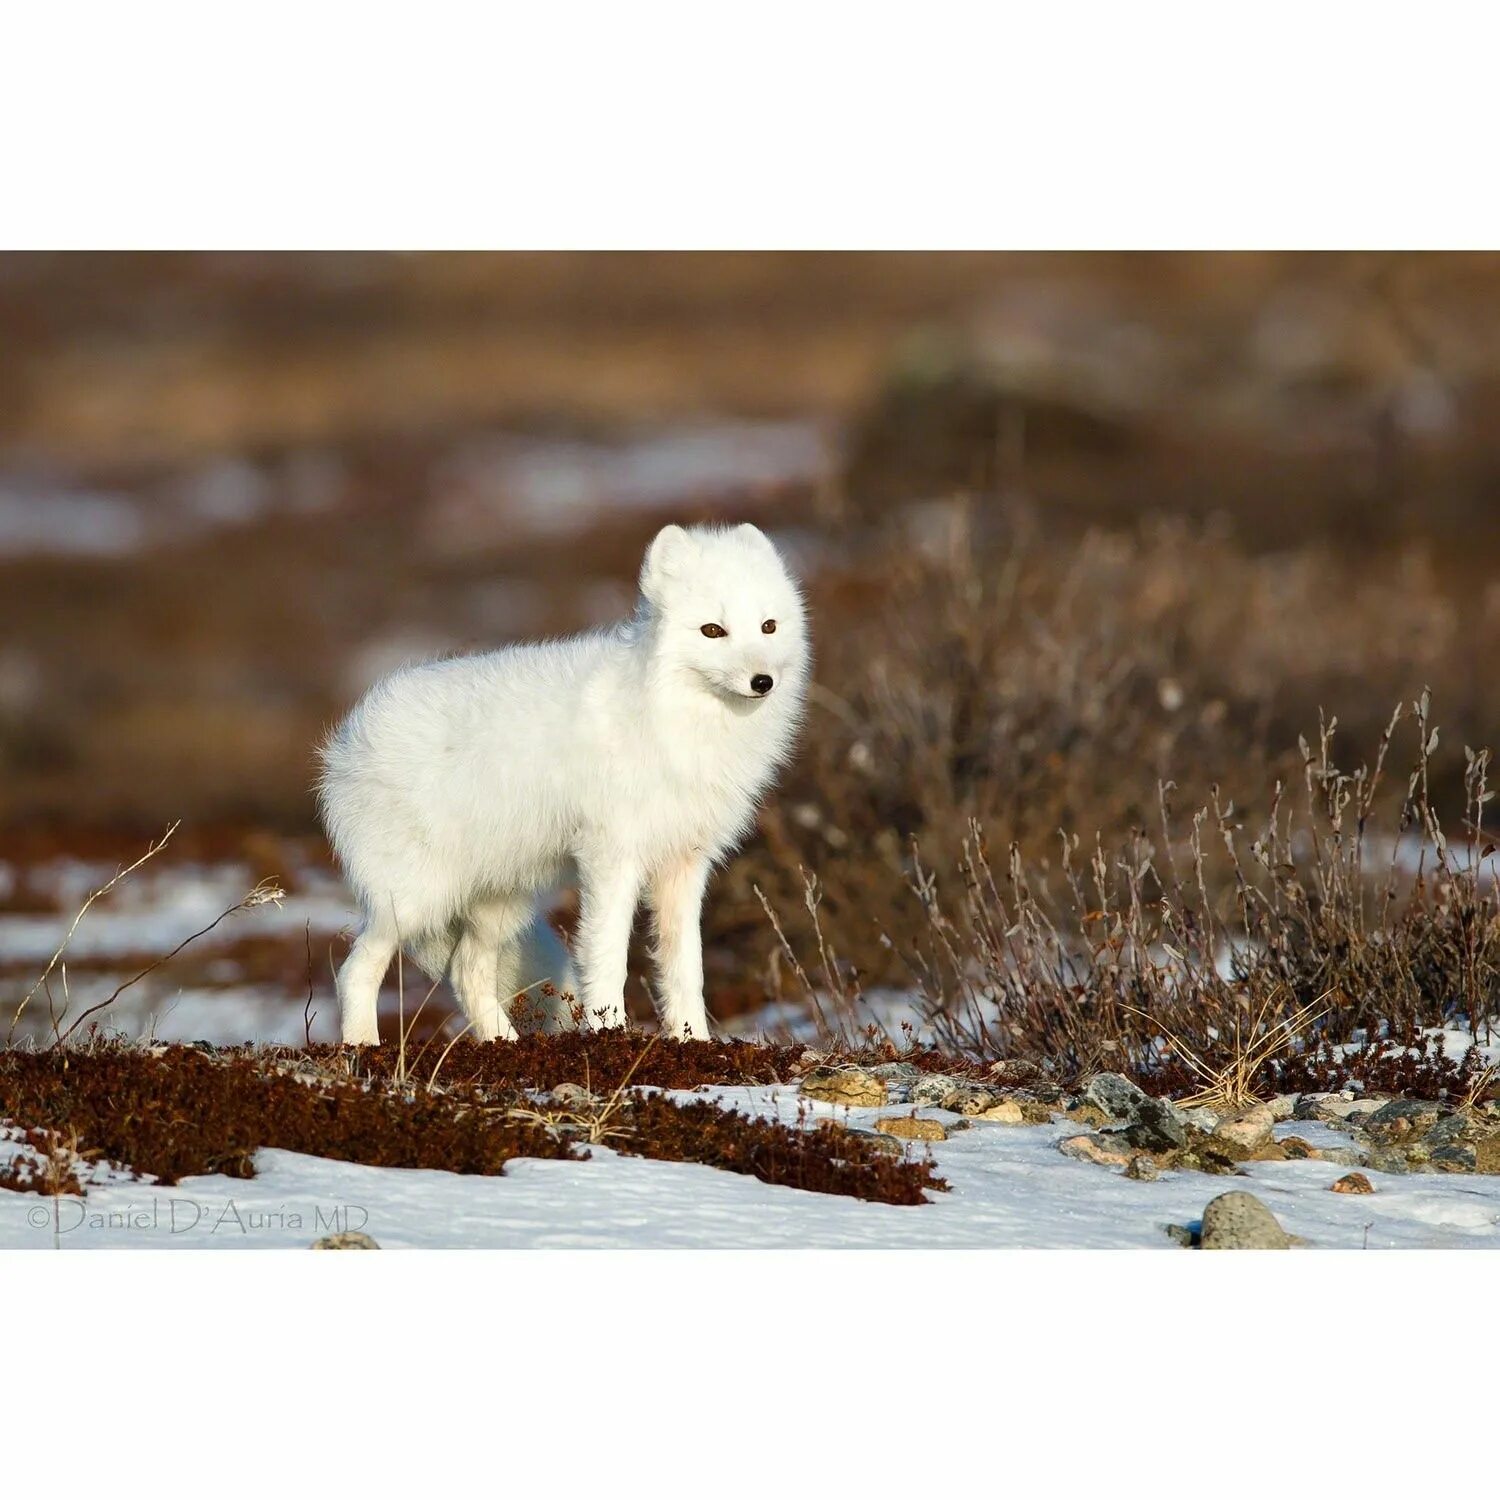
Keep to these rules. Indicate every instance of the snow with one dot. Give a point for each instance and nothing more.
(1010, 1188)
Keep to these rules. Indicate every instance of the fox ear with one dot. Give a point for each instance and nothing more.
(754, 534)
(667, 555)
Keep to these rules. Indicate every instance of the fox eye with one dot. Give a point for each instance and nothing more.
(715, 632)
(768, 627)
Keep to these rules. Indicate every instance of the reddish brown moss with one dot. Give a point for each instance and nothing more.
(184, 1112)
(181, 1113)
(603, 1060)
(819, 1161)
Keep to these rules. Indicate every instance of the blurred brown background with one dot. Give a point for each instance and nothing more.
(1071, 524)
(234, 488)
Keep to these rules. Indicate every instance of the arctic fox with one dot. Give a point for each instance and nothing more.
(627, 760)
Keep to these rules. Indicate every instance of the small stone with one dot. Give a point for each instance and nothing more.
(1182, 1234)
(1202, 1118)
(1283, 1107)
(350, 1239)
(1107, 1151)
(1240, 1221)
(1352, 1182)
(853, 1087)
(572, 1096)
(1005, 1112)
(1142, 1169)
(1250, 1130)
(909, 1128)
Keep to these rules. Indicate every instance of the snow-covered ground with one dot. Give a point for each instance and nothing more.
(1010, 1187)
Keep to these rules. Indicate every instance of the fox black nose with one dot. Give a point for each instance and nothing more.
(760, 683)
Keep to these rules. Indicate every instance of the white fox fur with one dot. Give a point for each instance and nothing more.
(627, 760)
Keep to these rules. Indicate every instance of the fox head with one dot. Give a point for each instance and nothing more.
(726, 612)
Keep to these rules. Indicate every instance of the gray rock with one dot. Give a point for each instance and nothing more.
(1142, 1169)
(892, 1070)
(1116, 1095)
(1331, 1109)
(1344, 1156)
(1202, 1118)
(572, 1096)
(1402, 1119)
(1182, 1234)
(1283, 1107)
(1158, 1126)
(1387, 1159)
(350, 1239)
(1240, 1221)
(1457, 1158)
(929, 1091)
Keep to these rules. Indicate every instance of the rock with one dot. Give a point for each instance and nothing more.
(350, 1239)
(1387, 1159)
(1352, 1182)
(1107, 1151)
(1005, 1112)
(1283, 1107)
(1331, 1109)
(1088, 1114)
(1202, 1118)
(1182, 1234)
(886, 1143)
(1115, 1095)
(1013, 1073)
(853, 1087)
(573, 1096)
(1341, 1156)
(971, 1099)
(1297, 1149)
(1456, 1158)
(899, 1079)
(929, 1091)
(1240, 1221)
(1250, 1130)
(1142, 1169)
(1402, 1119)
(909, 1128)
(1158, 1126)
(907, 1072)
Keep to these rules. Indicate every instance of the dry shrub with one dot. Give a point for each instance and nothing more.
(1009, 674)
(1230, 949)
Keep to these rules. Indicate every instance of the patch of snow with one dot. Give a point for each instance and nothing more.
(69, 524)
(1010, 1187)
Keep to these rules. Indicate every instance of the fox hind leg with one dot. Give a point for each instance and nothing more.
(486, 962)
(359, 984)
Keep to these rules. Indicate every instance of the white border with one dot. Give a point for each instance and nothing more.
(809, 124)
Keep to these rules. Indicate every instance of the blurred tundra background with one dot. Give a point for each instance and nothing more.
(1073, 526)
